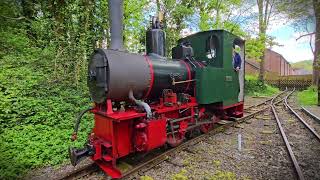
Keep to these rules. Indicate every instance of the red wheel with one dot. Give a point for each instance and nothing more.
(176, 140)
(205, 128)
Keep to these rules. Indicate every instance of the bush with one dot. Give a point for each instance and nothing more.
(36, 121)
(254, 87)
(36, 112)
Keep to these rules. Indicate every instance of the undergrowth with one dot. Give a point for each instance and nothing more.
(37, 113)
(254, 87)
(308, 96)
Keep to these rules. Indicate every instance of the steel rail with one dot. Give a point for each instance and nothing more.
(158, 159)
(285, 139)
(266, 101)
(301, 119)
(311, 114)
(86, 169)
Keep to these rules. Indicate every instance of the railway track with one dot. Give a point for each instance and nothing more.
(301, 139)
(159, 157)
(316, 118)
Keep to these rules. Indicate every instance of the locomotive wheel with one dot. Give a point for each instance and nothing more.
(205, 128)
(174, 141)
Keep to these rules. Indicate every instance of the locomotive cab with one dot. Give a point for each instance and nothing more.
(217, 82)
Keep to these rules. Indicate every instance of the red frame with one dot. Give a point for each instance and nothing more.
(117, 134)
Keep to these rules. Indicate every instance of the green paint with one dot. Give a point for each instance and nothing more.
(218, 82)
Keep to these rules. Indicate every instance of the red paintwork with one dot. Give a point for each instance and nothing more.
(189, 73)
(156, 139)
(233, 105)
(118, 133)
(109, 105)
(235, 110)
(170, 97)
(145, 138)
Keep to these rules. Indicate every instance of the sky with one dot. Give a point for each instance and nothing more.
(292, 50)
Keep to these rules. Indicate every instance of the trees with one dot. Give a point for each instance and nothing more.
(221, 14)
(175, 15)
(305, 15)
(134, 24)
(265, 11)
(316, 62)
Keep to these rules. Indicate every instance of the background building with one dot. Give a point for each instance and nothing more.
(275, 64)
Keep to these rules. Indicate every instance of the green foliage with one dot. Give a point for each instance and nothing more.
(299, 12)
(146, 178)
(180, 176)
(39, 96)
(217, 14)
(223, 175)
(234, 28)
(36, 113)
(175, 15)
(255, 48)
(307, 65)
(216, 163)
(308, 96)
(135, 24)
(254, 87)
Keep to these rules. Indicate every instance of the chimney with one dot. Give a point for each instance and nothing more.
(156, 37)
(116, 16)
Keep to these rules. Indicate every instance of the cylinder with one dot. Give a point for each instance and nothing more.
(112, 74)
(155, 42)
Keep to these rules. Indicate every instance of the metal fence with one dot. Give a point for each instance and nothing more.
(294, 81)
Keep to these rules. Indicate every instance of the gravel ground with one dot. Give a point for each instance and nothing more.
(48, 173)
(249, 100)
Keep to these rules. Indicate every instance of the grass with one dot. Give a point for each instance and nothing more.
(253, 87)
(308, 96)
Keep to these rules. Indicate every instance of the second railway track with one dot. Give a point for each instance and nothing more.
(300, 137)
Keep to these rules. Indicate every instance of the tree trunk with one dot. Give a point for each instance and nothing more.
(316, 62)
(262, 33)
(262, 70)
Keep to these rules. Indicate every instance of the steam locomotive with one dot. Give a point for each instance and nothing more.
(143, 102)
